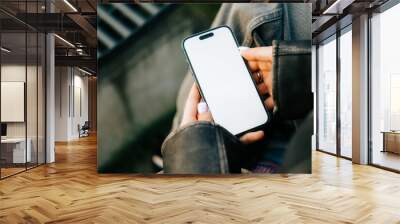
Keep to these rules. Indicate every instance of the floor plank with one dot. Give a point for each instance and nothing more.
(71, 191)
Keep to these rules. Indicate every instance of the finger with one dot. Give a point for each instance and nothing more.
(206, 116)
(253, 66)
(269, 103)
(252, 137)
(262, 89)
(193, 99)
(265, 66)
(257, 54)
(269, 83)
(190, 110)
(194, 95)
(257, 77)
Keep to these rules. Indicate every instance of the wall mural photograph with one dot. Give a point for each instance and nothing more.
(205, 88)
(132, 111)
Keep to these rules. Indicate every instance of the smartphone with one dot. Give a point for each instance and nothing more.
(224, 80)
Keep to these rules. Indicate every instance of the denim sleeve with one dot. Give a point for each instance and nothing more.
(201, 148)
(292, 78)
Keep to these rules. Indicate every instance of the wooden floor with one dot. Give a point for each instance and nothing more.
(8, 171)
(70, 191)
(5, 172)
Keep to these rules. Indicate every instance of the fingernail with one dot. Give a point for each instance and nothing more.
(242, 48)
(202, 107)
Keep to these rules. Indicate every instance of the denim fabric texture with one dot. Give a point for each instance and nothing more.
(286, 27)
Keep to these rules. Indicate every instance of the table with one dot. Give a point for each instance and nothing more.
(15, 148)
(391, 141)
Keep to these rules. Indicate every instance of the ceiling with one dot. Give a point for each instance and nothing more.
(75, 23)
(331, 15)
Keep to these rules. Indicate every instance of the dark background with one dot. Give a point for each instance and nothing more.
(139, 78)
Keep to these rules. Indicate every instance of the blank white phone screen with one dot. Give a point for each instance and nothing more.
(224, 80)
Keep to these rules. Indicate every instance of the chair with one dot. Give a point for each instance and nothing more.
(84, 130)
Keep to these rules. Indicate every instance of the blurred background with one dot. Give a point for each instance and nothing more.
(141, 66)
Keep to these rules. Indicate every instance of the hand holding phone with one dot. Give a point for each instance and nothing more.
(192, 113)
(259, 61)
(224, 81)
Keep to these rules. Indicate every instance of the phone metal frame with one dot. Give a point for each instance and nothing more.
(249, 73)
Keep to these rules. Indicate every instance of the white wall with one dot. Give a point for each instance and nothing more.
(62, 81)
(12, 73)
(70, 83)
(13, 101)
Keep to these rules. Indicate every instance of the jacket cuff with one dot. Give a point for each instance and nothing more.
(292, 78)
(201, 148)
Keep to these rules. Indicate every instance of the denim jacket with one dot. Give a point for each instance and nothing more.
(287, 27)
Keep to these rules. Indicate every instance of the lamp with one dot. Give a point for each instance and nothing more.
(70, 5)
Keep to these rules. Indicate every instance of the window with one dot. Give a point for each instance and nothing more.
(327, 95)
(346, 92)
(385, 89)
